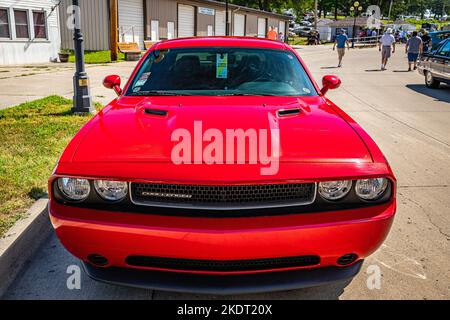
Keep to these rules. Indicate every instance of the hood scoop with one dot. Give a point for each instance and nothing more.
(156, 112)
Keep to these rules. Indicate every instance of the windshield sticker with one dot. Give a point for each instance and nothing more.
(142, 79)
(222, 66)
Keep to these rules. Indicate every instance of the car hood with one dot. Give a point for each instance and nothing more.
(125, 131)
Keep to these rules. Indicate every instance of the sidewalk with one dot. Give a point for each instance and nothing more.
(41, 80)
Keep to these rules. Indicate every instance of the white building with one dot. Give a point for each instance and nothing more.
(29, 31)
(324, 29)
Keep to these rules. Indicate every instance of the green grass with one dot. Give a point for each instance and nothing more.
(419, 23)
(298, 40)
(33, 136)
(96, 56)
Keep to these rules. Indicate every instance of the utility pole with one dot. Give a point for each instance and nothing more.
(82, 101)
(315, 14)
(390, 9)
(335, 9)
(227, 26)
(113, 30)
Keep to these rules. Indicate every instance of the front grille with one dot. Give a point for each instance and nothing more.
(222, 265)
(222, 197)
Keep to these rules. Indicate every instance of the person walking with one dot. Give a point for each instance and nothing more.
(414, 46)
(340, 41)
(386, 46)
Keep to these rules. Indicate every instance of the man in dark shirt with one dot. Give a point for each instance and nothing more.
(426, 41)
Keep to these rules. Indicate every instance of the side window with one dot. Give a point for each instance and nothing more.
(4, 24)
(40, 31)
(444, 50)
(21, 18)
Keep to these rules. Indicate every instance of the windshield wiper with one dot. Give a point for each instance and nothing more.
(158, 93)
(249, 94)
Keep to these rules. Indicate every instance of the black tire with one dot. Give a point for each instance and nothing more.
(431, 82)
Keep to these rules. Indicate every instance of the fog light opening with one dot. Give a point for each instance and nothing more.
(346, 259)
(97, 260)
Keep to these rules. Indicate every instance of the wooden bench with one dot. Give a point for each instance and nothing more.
(131, 50)
(148, 44)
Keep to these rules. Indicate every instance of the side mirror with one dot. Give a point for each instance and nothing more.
(330, 82)
(113, 82)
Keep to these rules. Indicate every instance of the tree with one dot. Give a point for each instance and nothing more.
(418, 7)
(439, 7)
(399, 7)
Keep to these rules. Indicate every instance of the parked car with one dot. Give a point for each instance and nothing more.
(303, 31)
(281, 189)
(305, 23)
(438, 36)
(435, 65)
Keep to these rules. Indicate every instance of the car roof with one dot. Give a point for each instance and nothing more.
(218, 41)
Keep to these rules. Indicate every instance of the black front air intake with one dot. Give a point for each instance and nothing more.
(222, 265)
(223, 196)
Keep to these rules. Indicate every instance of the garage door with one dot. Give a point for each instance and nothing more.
(220, 23)
(186, 20)
(261, 27)
(239, 25)
(131, 21)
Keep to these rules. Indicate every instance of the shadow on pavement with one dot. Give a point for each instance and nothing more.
(374, 70)
(440, 94)
(332, 67)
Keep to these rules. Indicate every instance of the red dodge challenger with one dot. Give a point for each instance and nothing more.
(221, 167)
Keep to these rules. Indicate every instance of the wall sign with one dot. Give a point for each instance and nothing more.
(207, 11)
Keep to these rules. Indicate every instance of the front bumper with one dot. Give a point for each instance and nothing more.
(421, 69)
(117, 235)
(222, 284)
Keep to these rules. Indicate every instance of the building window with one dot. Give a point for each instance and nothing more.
(40, 30)
(154, 30)
(170, 30)
(4, 24)
(21, 18)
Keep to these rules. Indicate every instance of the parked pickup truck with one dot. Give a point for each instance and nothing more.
(435, 65)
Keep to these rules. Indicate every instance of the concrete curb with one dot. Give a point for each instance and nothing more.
(21, 241)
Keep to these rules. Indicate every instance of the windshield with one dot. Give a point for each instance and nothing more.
(221, 71)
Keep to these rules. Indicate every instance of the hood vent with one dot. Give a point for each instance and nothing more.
(288, 112)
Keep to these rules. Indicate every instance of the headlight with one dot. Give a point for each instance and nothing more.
(334, 190)
(74, 189)
(111, 190)
(371, 189)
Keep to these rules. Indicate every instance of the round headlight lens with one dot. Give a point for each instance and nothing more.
(111, 190)
(371, 189)
(74, 189)
(334, 190)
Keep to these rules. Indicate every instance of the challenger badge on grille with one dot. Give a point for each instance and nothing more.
(166, 195)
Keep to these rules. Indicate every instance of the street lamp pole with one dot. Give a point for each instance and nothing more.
(356, 8)
(82, 101)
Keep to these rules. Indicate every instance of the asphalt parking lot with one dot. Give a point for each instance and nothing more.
(410, 123)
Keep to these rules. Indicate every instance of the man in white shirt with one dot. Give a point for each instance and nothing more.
(386, 45)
